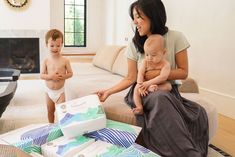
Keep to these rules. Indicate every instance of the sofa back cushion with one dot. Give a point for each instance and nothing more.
(120, 64)
(106, 56)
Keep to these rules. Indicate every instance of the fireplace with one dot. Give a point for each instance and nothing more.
(20, 53)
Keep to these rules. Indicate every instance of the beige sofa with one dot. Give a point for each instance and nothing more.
(107, 68)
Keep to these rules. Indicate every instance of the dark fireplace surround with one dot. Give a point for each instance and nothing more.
(20, 53)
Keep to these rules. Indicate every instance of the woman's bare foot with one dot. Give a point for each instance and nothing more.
(138, 111)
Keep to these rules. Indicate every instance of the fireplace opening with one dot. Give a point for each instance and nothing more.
(20, 53)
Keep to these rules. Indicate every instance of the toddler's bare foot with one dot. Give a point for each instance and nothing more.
(138, 111)
(152, 88)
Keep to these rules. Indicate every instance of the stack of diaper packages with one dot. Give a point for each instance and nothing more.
(30, 138)
(82, 131)
(75, 118)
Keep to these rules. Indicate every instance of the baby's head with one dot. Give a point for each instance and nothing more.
(154, 48)
(54, 41)
(53, 34)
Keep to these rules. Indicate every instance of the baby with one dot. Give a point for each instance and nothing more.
(55, 70)
(154, 60)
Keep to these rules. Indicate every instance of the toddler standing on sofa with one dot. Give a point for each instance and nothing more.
(55, 70)
(154, 50)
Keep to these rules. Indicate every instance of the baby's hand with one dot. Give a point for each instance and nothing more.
(143, 92)
(56, 76)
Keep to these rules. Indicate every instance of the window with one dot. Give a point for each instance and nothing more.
(74, 23)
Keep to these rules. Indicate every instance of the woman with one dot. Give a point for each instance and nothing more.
(172, 125)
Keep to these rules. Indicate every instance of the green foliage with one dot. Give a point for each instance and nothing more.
(74, 23)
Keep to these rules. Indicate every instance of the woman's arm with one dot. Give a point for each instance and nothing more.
(123, 84)
(181, 72)
(141, 72)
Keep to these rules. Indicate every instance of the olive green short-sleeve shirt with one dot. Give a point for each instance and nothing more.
(174, 42)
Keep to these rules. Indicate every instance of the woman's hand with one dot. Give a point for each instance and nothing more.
(103, 95)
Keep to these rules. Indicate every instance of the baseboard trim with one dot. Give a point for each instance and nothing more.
(224, 103)
(218, 93)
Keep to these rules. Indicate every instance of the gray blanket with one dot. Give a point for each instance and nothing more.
(172, 125)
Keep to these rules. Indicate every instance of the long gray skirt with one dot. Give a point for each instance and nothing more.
(172, 125)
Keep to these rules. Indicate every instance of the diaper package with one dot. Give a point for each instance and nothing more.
(30, 138)
(117, 133)
(3, 142)
(99, 149)
(64, 147)
(80, 116)
(137, 151)
(123, 127)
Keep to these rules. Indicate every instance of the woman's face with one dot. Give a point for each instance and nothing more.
(142, 22)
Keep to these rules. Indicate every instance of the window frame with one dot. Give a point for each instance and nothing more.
(74, 19)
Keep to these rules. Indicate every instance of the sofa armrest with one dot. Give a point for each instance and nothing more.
(189, 86)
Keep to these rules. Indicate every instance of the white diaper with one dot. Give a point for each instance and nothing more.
(54, 94)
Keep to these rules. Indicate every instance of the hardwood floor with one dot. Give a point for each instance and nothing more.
(225, 135)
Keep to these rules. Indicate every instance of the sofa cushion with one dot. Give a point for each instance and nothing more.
(106, 56)
(189, 86)
(86, 69)
(116, 109)
(120, 64)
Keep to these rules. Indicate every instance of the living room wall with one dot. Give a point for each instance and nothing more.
(95, 24)
(209, 27)
(33, 16)
(45, 14)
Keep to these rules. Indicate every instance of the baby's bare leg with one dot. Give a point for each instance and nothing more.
(138, 102)
(50, 109)
(165, 86)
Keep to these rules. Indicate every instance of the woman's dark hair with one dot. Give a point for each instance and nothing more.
(155, 11)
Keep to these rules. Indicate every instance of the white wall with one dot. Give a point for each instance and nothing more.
(209, 27)
(95, 24)
(118, 28)
(35, 15)
(46, 14)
